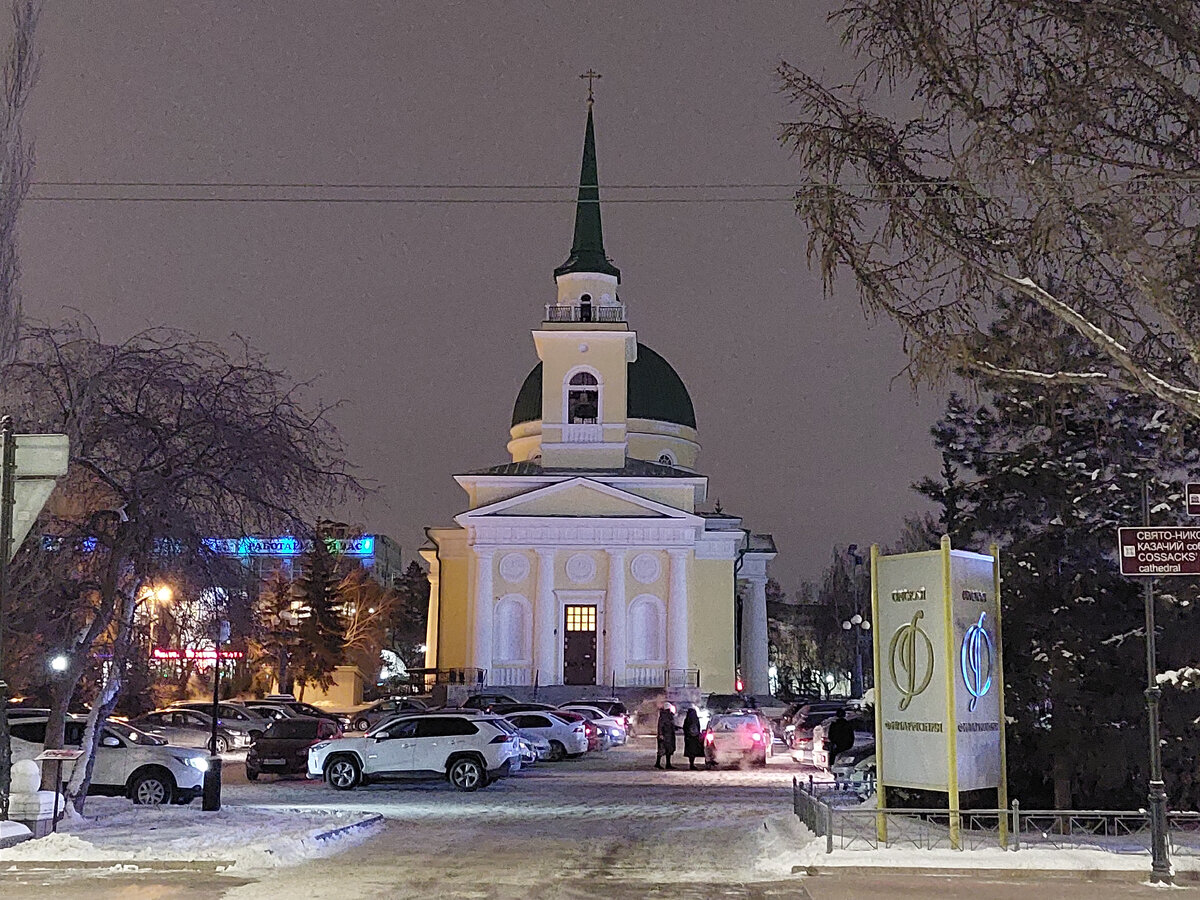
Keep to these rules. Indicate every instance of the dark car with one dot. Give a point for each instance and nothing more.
(486, 702)
(283, 747)
(301, 708)
(799, 734)
(366, 719)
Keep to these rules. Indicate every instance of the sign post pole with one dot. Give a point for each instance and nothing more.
(8, 473)
(1160, 866)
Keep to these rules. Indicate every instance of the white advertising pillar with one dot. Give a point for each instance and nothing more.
(677, 611)
(545, 621)
(614, 615)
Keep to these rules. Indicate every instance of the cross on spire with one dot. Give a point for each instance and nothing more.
(591, 76)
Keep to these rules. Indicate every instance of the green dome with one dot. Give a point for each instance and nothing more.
(656, 392)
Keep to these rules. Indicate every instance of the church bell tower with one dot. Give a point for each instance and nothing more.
(585, 344)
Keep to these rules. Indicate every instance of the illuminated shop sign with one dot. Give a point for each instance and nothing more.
(204, 654)
(289, 546)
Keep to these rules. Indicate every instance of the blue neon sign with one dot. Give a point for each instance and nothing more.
(975, 661)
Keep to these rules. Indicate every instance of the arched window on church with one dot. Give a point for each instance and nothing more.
(583, 399)
(511, 639)
(646, 628)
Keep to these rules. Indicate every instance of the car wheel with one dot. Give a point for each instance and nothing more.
(152, 789)
(222, 744)
(557, 751)
(761, 761)
(362, 725)
(343, 773)
(467, 775)
(251, 774)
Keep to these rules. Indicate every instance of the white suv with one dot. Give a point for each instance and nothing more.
(129, 762)
(469, 749)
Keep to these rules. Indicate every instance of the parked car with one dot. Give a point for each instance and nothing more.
(566, 739)
(487, 701)
(611, 725)
(737, 737)
(864, 735)
(230, 711)
(275, 712)
(283, 748)
(470, 750)
(856, 766)
(190, 728)
(596, 739)
(129, 763)
(504, 709)
(610, 706)
(302, 709)
(798, 735)
(366, 719)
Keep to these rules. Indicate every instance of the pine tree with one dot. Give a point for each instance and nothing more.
(321, 629)
(1051, 474)
(410, 613)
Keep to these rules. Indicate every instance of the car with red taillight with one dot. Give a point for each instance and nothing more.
(283, 748)
(737, 738)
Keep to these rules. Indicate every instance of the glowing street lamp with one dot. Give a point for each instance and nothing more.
(60, 663)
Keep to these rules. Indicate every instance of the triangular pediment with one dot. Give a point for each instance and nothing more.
(577, 498)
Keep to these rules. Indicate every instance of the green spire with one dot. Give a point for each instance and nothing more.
(587, 249)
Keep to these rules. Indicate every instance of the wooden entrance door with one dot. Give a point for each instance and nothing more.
(579, 645)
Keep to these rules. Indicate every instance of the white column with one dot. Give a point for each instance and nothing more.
(754, 636)
(677, 611)
(545, 621)
(614, 618)
(484, 602)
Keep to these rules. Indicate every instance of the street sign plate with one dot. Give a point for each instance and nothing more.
(41, 458)
(1193, 499)
(66, 755)
(1159, 550)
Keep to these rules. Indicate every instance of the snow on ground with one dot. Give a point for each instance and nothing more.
(608, 818)
(247, 837)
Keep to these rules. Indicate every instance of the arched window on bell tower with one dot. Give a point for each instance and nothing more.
(583, 399)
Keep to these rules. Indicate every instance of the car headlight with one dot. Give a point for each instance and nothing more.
(199, 763)
(321, 746)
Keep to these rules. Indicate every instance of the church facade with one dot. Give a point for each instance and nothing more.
(586, 559)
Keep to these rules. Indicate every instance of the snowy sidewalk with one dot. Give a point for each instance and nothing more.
(237, 837)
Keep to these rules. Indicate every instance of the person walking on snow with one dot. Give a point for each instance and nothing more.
(840, 736)
(666, 737)
(692, 745)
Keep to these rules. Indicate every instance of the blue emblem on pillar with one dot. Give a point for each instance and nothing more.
(976, 661)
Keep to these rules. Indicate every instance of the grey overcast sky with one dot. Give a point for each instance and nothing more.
(418, 315)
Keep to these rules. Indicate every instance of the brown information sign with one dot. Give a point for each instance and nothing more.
(1159, 550)
(1193, 499)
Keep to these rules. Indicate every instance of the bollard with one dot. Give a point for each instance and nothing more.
(1016, 824)
(212, 786)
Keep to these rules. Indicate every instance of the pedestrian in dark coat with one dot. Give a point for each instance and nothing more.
(692, 745)
(840, 735)
(666, 737)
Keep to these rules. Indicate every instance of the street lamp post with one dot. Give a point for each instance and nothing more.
(856, 622)
(858, 625)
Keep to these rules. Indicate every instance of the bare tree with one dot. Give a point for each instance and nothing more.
(173, 440)
(16, 163)
(1049, 149)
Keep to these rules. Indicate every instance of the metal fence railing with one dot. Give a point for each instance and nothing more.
(864, 828)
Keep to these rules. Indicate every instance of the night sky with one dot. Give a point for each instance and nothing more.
(418, 315)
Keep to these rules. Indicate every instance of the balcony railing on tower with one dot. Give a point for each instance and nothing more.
(585, 313)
